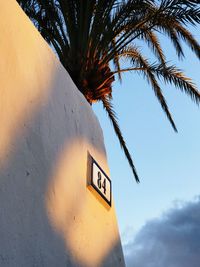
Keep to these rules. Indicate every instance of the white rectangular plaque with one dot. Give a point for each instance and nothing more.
(101, 182)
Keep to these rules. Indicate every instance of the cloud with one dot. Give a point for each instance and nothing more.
(170, 241)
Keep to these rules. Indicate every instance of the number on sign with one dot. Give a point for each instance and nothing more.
(99, 180)
(104, 186)
(100, 183)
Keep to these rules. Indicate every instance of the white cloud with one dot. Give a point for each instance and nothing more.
(170, 241)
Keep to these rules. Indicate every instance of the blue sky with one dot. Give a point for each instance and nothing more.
(167, 163)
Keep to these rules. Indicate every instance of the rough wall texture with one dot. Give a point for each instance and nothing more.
(48, 215)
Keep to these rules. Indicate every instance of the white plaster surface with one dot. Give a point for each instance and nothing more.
(48, 215)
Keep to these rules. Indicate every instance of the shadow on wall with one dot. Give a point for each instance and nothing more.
(48, 217)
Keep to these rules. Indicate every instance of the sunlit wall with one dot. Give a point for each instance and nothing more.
(48, 215)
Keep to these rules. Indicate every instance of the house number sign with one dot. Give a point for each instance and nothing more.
(101, 182)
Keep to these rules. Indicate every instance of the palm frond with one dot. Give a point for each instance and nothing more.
(173, 75)
(92, 36)
(111, 114)
(145, 67)
(186, 36)
(153, 42)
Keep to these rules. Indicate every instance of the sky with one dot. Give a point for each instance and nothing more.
(161, 215)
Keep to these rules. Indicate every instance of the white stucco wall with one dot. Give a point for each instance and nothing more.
(48, 215)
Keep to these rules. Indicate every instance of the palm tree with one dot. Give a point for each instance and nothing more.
(92, 37)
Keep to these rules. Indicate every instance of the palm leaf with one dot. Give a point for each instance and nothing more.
(90, 36)
(109, 109)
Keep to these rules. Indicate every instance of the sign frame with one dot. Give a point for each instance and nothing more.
(93, 161)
